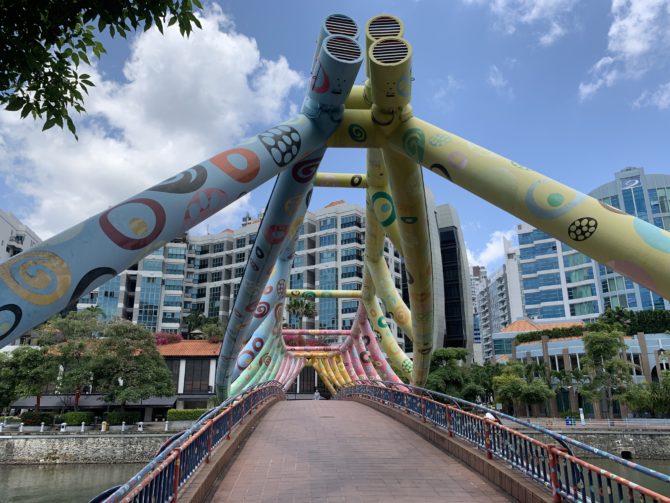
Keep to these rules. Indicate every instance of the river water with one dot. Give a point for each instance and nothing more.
(60, 483)
(80, 483)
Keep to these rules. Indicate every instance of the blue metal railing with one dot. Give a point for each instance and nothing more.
(556, 467)
(161, 479)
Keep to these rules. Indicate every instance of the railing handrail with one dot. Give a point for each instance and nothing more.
(562, 439)
(186, 438)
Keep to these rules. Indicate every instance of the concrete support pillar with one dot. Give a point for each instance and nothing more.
(644, 356)
(553, 404)
(572, 392)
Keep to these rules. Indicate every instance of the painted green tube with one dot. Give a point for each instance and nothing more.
(379, 200)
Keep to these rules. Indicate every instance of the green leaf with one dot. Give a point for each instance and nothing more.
(51, 122)
(28, 107)
(172, 21)
(15, 103)
(75, 58)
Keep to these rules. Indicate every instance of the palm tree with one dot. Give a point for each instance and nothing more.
(301, 308)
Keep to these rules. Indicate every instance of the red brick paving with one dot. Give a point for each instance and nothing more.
(338, 451)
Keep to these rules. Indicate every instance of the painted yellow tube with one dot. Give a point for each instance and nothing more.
(318, 366)
(323, 294)
(342, 180)
(378, 322)
(357, 131)
(624, 243)
(356, 98)
(332, 361)
(378, 198)
(330, 372)
(339, 361)
(406, 181)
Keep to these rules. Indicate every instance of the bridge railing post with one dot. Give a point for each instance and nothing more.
(487, 438)
(553, 474)
(176, 475)
(423, 409)
(447, 413)
(210, 428)
(230, 422)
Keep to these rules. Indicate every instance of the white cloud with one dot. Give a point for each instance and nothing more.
(444, 91)
(497, 81)
(493, 253)
(637, 38)
(659, 98)
(183, 100)
(551, 15)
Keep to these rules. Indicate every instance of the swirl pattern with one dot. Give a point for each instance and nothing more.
(10, 317)
(133, 224)
(413, 143)
(183, 183)
(39, 277)
(383, 206)
(357, 133)
(304, 171)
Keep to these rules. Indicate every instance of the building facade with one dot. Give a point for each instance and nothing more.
(15, 236)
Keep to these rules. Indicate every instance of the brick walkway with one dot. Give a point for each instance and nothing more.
(345, 452)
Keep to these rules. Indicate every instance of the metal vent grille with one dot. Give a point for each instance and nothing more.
(390, 51)
(384, 26)
(337, 24)
(343, 48)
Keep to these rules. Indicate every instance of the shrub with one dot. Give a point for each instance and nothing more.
(76, 418)
(552, 333)
(32, 418)
(184, 414)
(162, 338)
(11, 419)
(118, 417)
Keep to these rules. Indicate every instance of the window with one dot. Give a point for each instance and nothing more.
(352, 286)
(201, 249)
(327, 223)
(349, 306)
(214, 301)
(172, 300)
(150, 292)
(536, 282)
(173, 365)
(584, 308)
(328, 279)
(350, 221)
(240, 257)
(196, 376)
(327, 256)
(239, 272)
(351, 237)
(575, 259)
(543, 296)
(552, 312)
(300, 246)
(171, 317)
(218, 247)
(530, 237)
(298, 261)
(579, 275)
(296, 281)
(216, 276)
(351, 254)
(174, 284)
(579, 292)
(252, 238)
(240, 242)
(152, 265)
(174, 268)
(328, 240)
(352, 271)
(174, 252)
(217, 262)
(328, 313)
(201, 263)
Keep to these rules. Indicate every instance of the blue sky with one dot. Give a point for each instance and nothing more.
(574, 89)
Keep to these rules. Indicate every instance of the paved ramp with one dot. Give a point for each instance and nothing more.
(345, 452)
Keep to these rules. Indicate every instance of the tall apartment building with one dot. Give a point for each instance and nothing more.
(454, 298)
(203, 273)
(559, 282)
(15, 236)
(478, 282)
(500, 303)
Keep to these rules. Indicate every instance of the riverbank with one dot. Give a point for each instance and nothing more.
(107, 448)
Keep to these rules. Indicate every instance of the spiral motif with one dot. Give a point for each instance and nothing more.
(186, 181)
(309, 295)
(241, 164)
(304, 171)
(10, 317)
(262, 310)
(86, 284)
(413, 143)
(39, 277)
(382, 205)
(267, 360)
(133, 224)
(268, 290)
(545, 199)
(279, 308)
(366, 340)
(365, 357)
(356, 180)
(257, 344)
(381, 322)
(244, 359)
(357, 133)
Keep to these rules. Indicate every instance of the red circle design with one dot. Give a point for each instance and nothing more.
(126, 242)
(241, 175)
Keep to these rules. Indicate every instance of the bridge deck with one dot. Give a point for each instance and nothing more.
(345, 451)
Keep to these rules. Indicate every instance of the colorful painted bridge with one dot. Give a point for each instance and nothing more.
(378, 117)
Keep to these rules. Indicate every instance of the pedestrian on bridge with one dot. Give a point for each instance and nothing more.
(317, 395)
